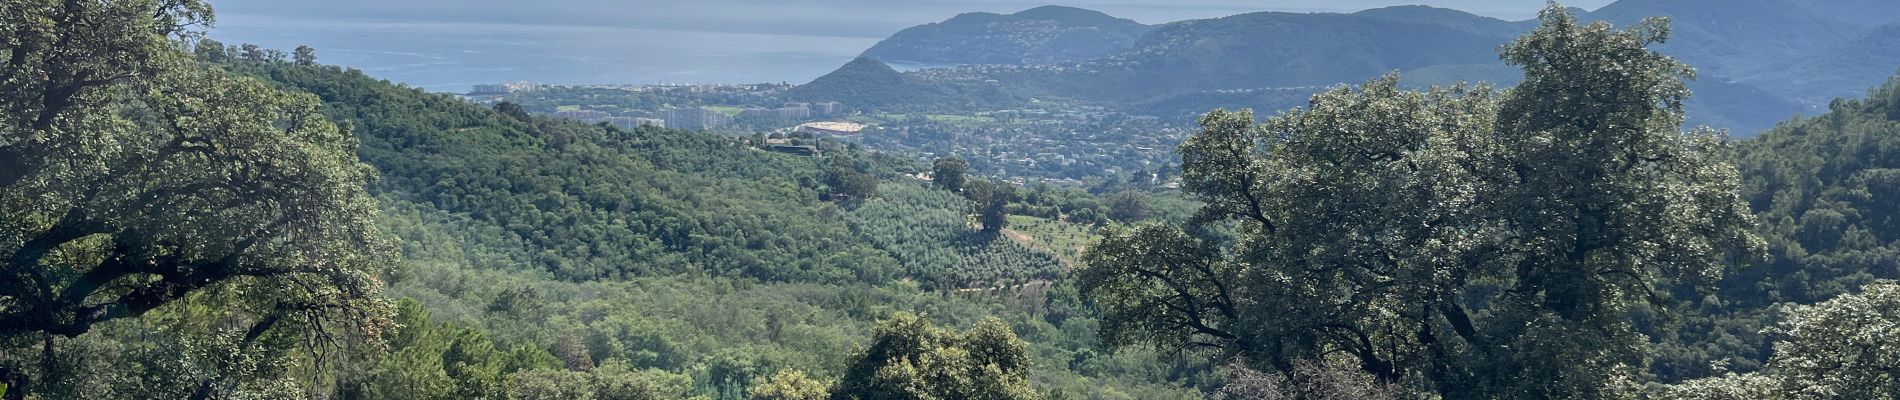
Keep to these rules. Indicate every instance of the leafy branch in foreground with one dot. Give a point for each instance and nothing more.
(134, 178)
(1457, 241)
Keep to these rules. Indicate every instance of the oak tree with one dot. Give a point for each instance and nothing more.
(1458, 240)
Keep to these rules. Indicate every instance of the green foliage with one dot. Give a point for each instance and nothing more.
(596, 202)
(1845, 348)
(1452, 240)
(927, 234)
(909, 358)
(1848, 347)
(436, 360)
(866, 83)
(851, 183)
(948, 172)
(1313, 380)
(790, 385)
(611, 381)
(992, 203)
(138, 183)
(729, 334)
(1824, 191)
(1379, 243)
(1128, 207)
(304, 55)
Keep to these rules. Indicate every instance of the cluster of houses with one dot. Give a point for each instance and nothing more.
(711, 119)
(504, 88)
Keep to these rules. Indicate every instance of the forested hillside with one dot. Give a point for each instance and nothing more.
(1042, 35)
(652, 222)
(869, 84)
(1456, 242)
(182, 219)
(474, 252)
(1824, 190)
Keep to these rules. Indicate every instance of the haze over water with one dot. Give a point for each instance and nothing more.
(443, 45)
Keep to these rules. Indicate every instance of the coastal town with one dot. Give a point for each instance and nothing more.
(1057, 143)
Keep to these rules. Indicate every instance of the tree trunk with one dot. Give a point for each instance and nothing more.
(15, 383)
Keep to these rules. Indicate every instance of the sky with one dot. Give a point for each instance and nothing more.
(447, 45)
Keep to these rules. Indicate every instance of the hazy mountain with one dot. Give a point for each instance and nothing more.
(1860, 12)
(1727, 37)
(1043, 35)
(1274, 49)
(1449, 18)
(868, 83)
(1758, 61)
(1840, 71)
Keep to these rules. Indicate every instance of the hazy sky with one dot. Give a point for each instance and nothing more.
(872, 18)
(448, 44)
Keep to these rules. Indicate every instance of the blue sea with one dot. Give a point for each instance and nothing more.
(452, 57)
(450, 45)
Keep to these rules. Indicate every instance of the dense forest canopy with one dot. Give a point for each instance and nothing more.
(186, 219)
(1457, 241)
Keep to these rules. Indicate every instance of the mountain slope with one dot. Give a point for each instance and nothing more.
(594, 202)
(1859, 12)
(1286, 49)
(538, 253)
(1043, 35)
(1732, 36)
(1449, 18)
(1758, 61)
(1838, 71)
(1826, 191)
(868, 83)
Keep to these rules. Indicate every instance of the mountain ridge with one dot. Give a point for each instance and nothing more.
(1041, 35)
(1744, 51)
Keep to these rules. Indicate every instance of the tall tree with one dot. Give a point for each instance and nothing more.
(850, 182)
(1845, 348)
(61, 61)
(1452, 240)
(305, 56)
(253, 53)
(909, 358)
(1128, 206)
(134, 178)
(789, 385)
(992, 203)
(948, 172)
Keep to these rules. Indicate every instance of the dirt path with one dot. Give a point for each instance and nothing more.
(1024, 239)
(1043, 283)
(1036, 244)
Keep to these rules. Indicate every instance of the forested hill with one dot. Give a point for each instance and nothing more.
(1759, 61)
(596, 202)
(551, 260)
(868, 83)
(1826, 192)
(1828, 188)
(1042, 35)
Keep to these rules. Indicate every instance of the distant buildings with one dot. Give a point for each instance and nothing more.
(653, 122)
(588, 116)
(620, 122)
(757, 114)
(794, 111)
(827, 109)
(695, 118)
(504, 88)
(790, 113)
(603, 117)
